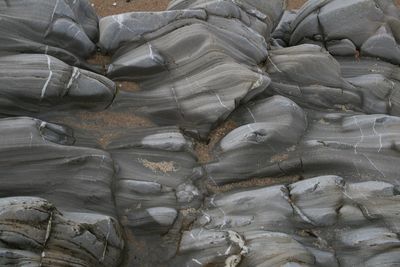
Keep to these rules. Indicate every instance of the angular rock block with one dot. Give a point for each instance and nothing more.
(35, 233)
(314, 79)
(37, 159)
(65, 29)
(357, 147)
(342, 26)
(31, 84)
(322, 221)
(193, 66)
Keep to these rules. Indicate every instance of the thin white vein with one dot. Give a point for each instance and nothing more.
(251, 113)
(228, 250)
(106, 241)
(273, 64)
(220, 101)
(196, 261)
(373, 165)
(54, 11)
(118, 20)
(192, 236)
(391, 95)
(377, 134)
(174, 95)
(48, 78)
(151, 51)
(74, 76)
(361, 137)
(31, 139)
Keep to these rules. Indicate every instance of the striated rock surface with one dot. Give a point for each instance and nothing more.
(32, 84)
(343, 27)
(74, 178)
(65, 29)
(290, 141)
(313, 78)
(194, 66)
(35, 233)
(241, 135)
(322, 221)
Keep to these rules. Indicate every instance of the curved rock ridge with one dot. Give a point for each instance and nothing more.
(312, 78)
(261, 16)
(66, 29)
(35, 233)
(31, 84)
(75, 179)
(290, 141)
(193, 66)
(370, 26)
(323, 221)
(227, 145)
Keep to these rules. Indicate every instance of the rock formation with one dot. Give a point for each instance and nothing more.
(242, 135)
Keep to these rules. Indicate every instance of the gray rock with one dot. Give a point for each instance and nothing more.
(372, 26)
(65, 29)
(35, 233)
(283, 231)
(353, 146)
(181, 65)
(76, 179)
(31, 84)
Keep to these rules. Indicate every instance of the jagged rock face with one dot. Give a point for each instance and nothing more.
(66, 29)
(303, 171)
(53, 85)
(35, 233)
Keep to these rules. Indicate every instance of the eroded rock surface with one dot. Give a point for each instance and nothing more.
(194, 66)
(65, 29)
(242, 135)
(53, 85)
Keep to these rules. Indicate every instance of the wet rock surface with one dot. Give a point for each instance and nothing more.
(221, 133)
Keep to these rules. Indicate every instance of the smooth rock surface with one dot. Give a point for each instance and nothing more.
(65, 29)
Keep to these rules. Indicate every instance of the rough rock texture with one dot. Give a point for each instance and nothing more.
(35, 233)
(273, 140)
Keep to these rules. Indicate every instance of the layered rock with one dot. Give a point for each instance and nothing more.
(65, 29)
(345, 27)
(322, 221)
(75, 179)
(311, 77)
(35, 233)
(194, 66)
(33, 84)
(156, 186)
(277, 138)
